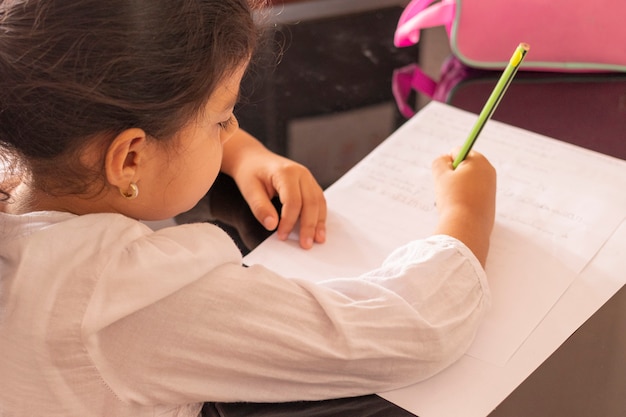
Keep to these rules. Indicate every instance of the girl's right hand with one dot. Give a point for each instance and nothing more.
(465, 199)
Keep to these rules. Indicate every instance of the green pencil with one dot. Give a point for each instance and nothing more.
(493, 101)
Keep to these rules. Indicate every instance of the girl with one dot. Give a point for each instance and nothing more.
(117, 111)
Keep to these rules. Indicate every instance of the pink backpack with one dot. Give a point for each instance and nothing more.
(564, 35)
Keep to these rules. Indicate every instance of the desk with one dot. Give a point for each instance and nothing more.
(328, 102)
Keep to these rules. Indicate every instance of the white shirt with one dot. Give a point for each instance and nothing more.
(101, 316)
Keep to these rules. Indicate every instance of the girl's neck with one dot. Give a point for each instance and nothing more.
(26, 200)
(21, 201)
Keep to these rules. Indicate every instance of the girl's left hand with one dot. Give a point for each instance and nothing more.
(261, 175)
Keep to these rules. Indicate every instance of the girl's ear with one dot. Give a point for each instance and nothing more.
(123, 157)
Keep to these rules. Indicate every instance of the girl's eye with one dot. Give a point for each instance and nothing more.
(224, 125)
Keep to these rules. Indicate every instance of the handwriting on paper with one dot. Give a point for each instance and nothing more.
(556, 206)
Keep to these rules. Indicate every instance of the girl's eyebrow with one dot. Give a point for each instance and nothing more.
(230, 104)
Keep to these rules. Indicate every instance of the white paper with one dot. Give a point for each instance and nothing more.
(557, 206)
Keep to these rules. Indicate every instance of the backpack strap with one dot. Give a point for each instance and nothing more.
(420, 14)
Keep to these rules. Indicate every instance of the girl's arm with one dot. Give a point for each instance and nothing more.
(261, 175)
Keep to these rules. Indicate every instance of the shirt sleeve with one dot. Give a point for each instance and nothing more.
(179, 323)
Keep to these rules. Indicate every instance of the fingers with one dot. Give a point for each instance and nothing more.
(302, 200)
(442, 164)
(259, 201)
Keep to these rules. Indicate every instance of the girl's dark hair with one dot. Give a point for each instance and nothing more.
(74, 70)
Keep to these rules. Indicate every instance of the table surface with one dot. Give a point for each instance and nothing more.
(320, 93)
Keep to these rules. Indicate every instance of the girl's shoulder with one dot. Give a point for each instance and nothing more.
(115, 232)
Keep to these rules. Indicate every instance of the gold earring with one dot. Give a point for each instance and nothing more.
(131, 193)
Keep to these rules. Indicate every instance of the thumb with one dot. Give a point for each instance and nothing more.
(442, 164)
(261, 206)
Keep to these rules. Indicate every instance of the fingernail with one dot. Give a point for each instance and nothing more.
(268, 223)
(308, 242)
